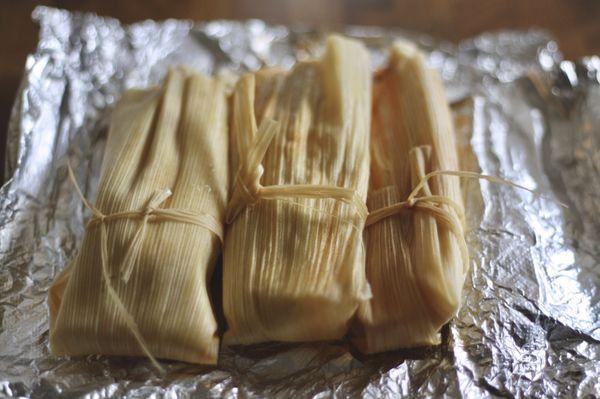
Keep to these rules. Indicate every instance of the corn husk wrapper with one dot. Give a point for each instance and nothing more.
(293, 267)
(171, 137)
(414, 260)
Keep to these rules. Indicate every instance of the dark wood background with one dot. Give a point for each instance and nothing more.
(574, 23)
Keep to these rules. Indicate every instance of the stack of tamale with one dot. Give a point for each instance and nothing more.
(415, 259)
(158, 257)
(291, 175)
(293, 267)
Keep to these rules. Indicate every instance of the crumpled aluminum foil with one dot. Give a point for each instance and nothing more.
(530, 322)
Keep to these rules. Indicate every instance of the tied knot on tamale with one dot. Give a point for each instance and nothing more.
(152, 209)
(247, 187)
(250, 191)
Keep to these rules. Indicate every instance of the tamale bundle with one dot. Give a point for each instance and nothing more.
(293, 258)
(138, 286)
(416, 254)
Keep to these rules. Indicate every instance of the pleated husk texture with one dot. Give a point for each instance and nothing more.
(171, 137)
(293, 263)
(416, 263)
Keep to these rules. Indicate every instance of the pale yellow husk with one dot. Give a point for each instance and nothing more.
(170, 137)
(414, 261)
(293, 267)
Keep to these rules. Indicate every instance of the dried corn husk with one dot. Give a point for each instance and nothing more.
(293, 263)
(416, 258)
(153, 299)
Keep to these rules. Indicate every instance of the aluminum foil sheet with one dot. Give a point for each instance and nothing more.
(530, 322)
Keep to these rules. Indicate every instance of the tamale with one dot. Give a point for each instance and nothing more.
(293, 258)
(416, 258)
(138, 285)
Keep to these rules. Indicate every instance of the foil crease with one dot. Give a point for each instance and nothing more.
(530, 321)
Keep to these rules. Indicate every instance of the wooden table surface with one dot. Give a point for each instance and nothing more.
(574, 23)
